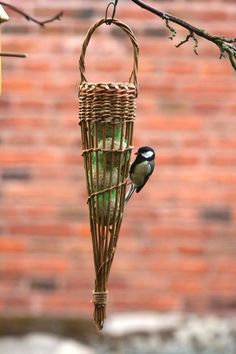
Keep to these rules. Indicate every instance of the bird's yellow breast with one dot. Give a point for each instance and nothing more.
(140, 172)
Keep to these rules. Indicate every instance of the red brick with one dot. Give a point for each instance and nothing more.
(13, 85)
(172, 124)
(18, 140)
(179, 231)
(229, 143)
(23, 123)
(15, 302)
(13, 212)
(55, 193)
(43, 229)
(189, 286)
(226, 266)
(60, 303)
(33, 264)
(180, 68)
(213, 67)
(84, 230)
(221, 160)
(224, 286)
(178, 159)
(152, 302)
(184, 266)
(9, 245)
(191, 249)
(27, 157)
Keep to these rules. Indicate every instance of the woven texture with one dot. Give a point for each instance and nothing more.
(107, 113)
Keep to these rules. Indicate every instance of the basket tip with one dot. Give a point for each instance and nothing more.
(99, 316)
(99, 325)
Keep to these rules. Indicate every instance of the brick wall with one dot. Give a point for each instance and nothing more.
(177, 247)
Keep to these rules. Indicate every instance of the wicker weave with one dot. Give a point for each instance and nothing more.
(107, 113)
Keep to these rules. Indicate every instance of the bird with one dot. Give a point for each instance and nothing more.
(140, 170)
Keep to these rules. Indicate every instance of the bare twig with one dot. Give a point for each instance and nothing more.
(190, 35)
(172, 30)
(184, 41)
(223, 43)
(15, 55)
(30, 18)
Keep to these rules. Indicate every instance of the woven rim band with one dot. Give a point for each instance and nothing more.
(100, 298)
(127, 29)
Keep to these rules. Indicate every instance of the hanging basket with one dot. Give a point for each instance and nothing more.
(107, 111)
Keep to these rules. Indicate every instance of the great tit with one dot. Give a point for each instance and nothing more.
(140, 170)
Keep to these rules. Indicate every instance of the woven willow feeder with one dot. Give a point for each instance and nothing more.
(107, 113)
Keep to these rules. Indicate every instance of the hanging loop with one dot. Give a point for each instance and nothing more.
(108, 21)
(129, 32)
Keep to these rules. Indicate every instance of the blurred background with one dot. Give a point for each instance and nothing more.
(177, 247)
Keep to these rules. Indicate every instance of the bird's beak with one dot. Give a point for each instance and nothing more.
(136, 153)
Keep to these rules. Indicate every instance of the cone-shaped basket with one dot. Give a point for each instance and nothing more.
(107, 112)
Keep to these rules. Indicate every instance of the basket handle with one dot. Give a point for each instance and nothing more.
(127, 29)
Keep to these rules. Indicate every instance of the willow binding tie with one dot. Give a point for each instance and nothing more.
(107, 112)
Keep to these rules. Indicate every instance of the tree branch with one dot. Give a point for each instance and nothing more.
(224, 44)
(14, 55)
(30, 18)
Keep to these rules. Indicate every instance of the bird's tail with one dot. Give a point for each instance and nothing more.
(131, 190)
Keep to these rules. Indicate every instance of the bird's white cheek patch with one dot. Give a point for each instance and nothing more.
(147, 154)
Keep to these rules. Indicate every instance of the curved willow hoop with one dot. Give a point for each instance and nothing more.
(127, 29)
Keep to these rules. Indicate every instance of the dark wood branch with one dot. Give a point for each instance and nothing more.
(29, 17)
(224, 44)
(14, 55)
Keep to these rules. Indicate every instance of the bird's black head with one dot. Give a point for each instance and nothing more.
(146, 153)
